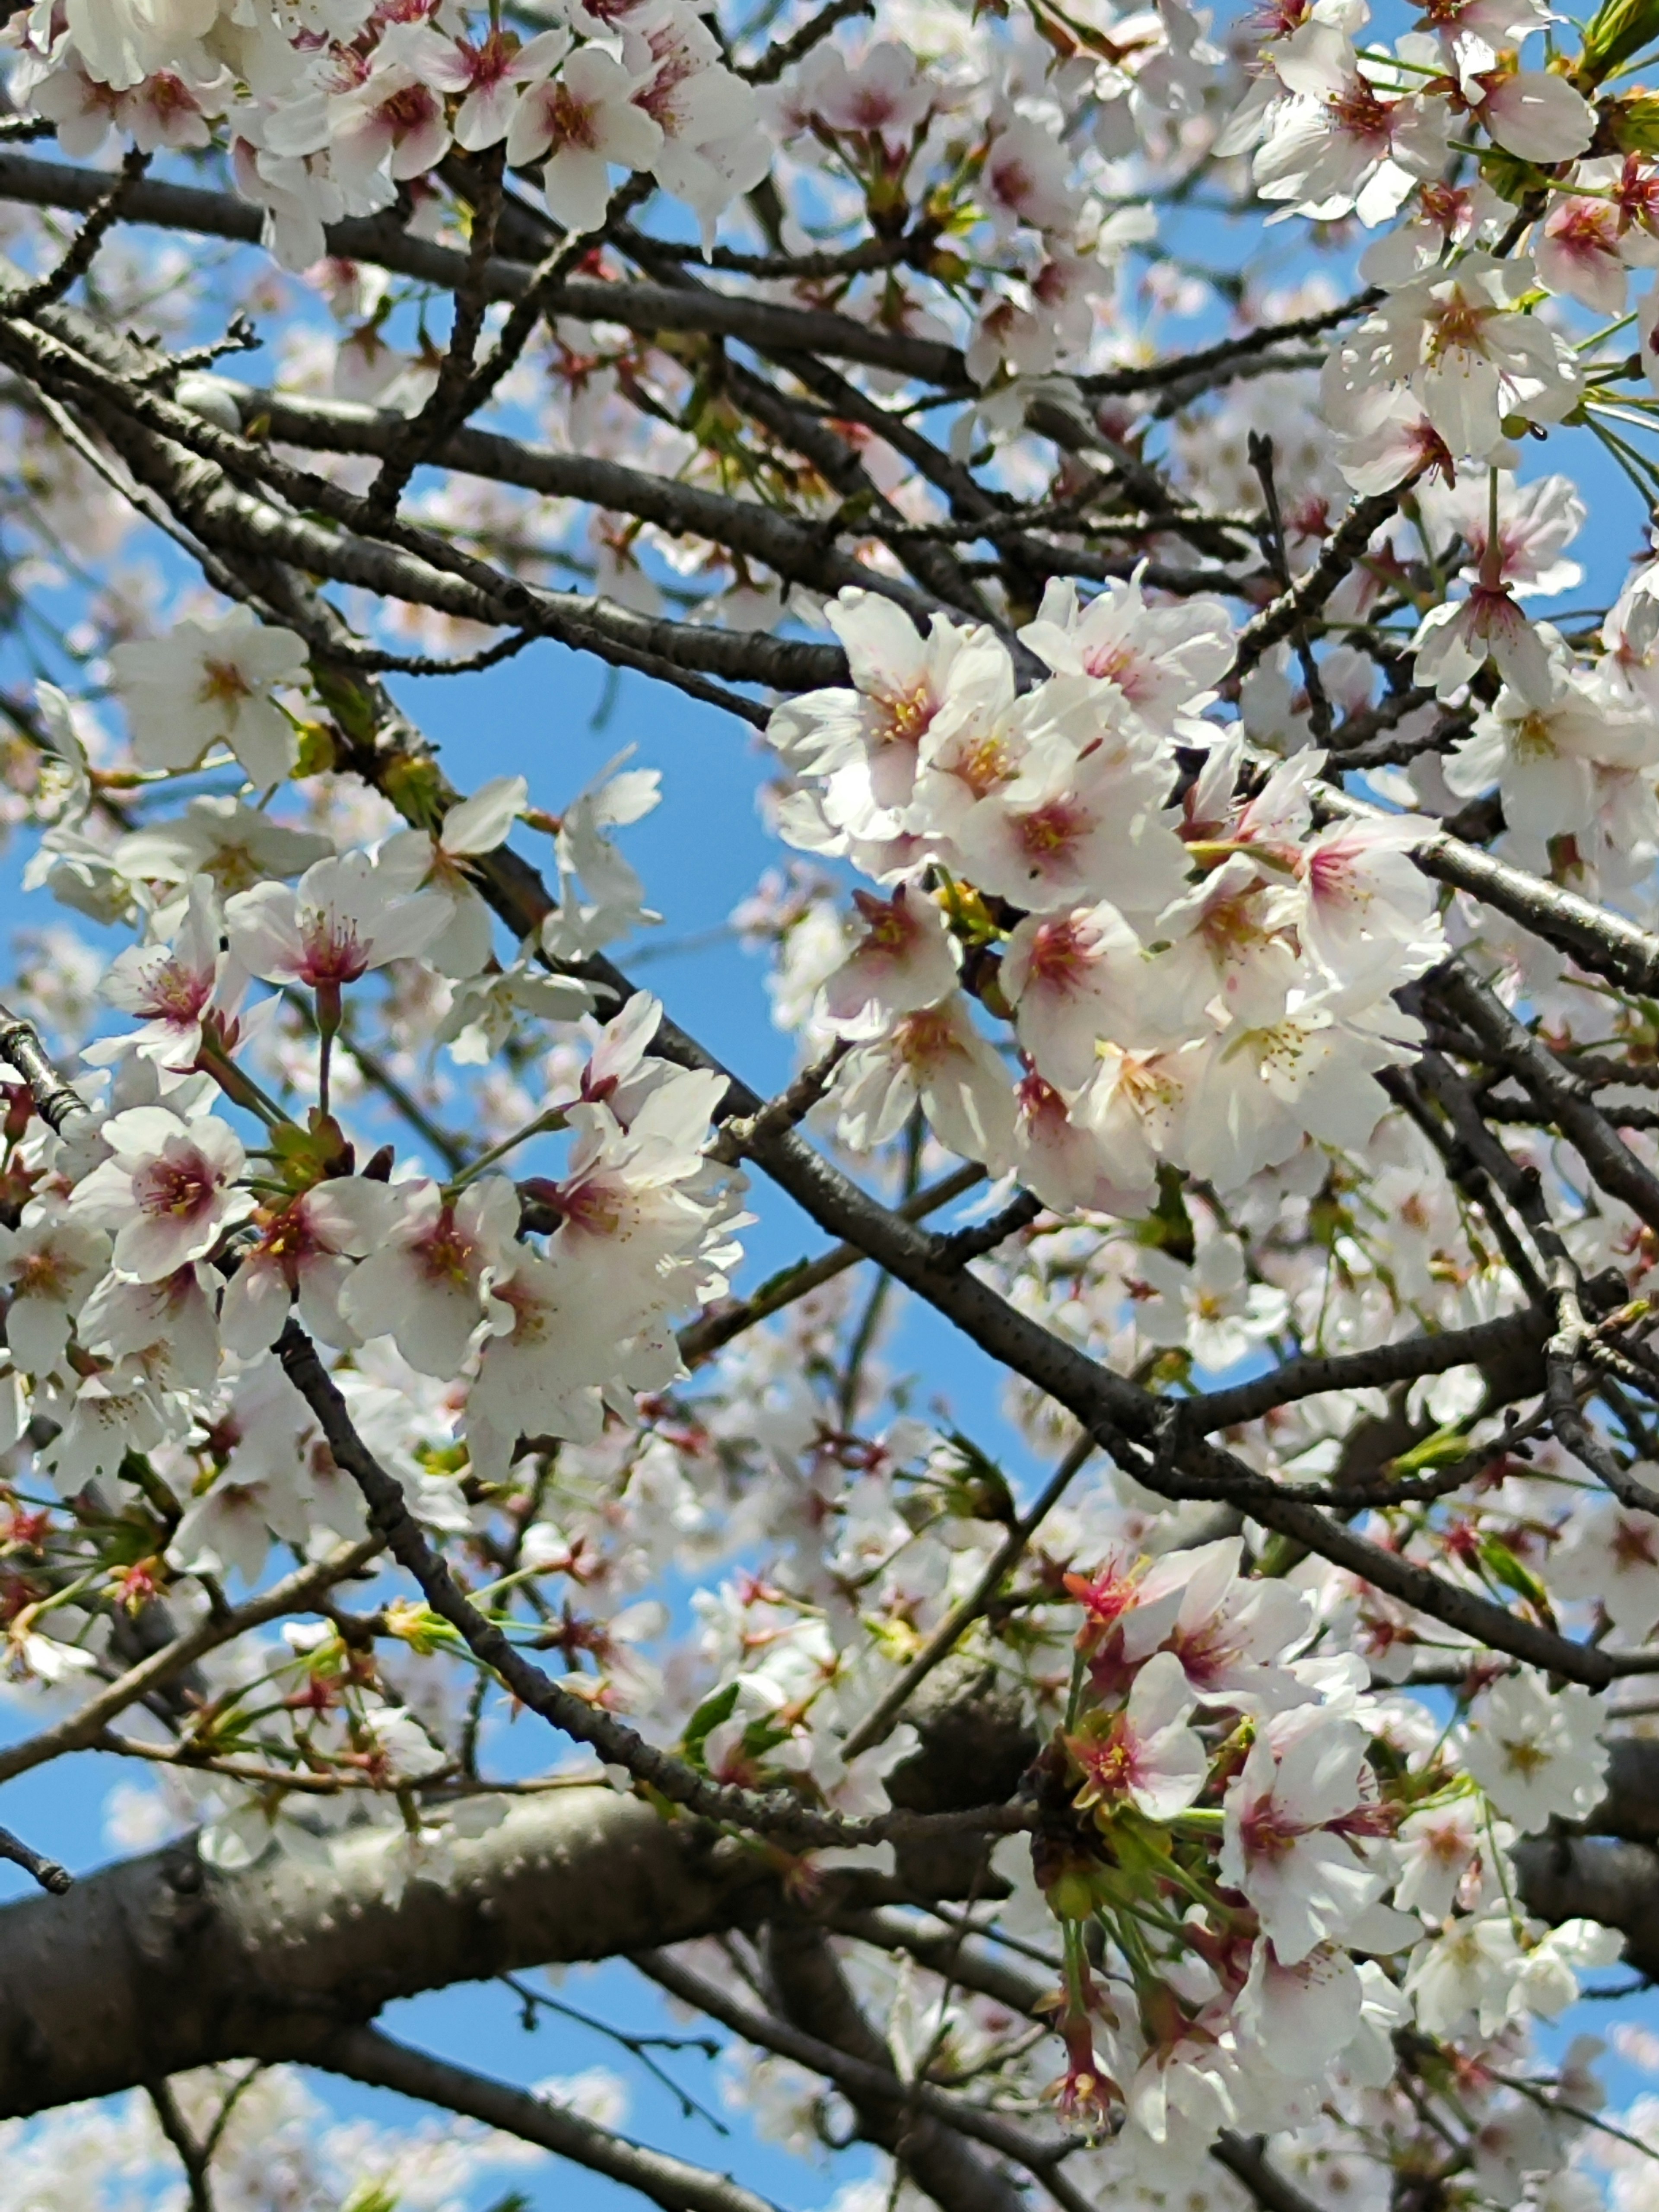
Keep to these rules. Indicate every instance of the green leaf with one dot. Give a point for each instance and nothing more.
(715, 1708)
(1617, 30)
(1501, 1563)
(1443, 1448)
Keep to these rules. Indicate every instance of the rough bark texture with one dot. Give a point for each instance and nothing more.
(163, 1963)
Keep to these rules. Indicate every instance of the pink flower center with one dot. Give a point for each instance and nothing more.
(333, 953)
(180, 1184)
(1049, 831)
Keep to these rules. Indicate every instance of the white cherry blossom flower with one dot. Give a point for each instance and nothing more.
(1072, 979)
(168, 1191)
(1541, 746)
(210, 683)
(343, 919)
(1300, 2017)
(1162, 659)
(1211, 1307)
(583, 121)
(903, 962)
(1071, 829)
(412, 862)
(167, 1324)
(1611, 1555)
(1289, 1817)
(424, 1280)
(304, 1252)
(235, 845)
(1456, 639)
(1146, 1753)
(1456, 340)
(937, 1058)
(50, 1263)
(1063, 1163)
(1535, 1753)
(171, 987)
(1440, 1850)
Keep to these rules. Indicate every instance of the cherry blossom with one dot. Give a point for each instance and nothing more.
(1535, 1754)
(1299, 1800)
(343, 919)
(303, 1253)
(583, 120)
(424, 1281)
(410, 861)
(210, 683)
(167, 1191)
(1146, 1754)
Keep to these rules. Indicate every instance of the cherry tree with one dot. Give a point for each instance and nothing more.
(1215, 918)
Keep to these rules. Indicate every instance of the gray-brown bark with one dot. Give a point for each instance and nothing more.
(163, 1963)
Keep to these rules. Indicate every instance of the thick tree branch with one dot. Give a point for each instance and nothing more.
(165, 1963)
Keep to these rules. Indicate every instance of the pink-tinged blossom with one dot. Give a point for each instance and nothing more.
(1354, 145)
(1164, 660)
(1578, 254)
(1233, 925)
(1540, 747)
(1369, 909)
(865, 743)
(903, 962)
(167, 1191)
(1024, 178)
(1399, 445)
(1536, 522)
(424, 1281)
(1071, 980)
(1145, 1754)
(710, 149)
(343, 919)
(1303, 1791)
(1299, 2017)
(582, 120)
(1533, 114)
(172, 987)
(937, 1058)
(552, 1350)
(1611, 1556)
(1230, 1633)
(1441, 216)
(50, 1264)
(643, 1210)
(1063, 1163)
(1457, 340)
(1456, 639)
(885, 94)
(210, 683)
(1135, 1105)
(1440, 1850)
(392, 120)
(1070, 829)
(169, 1325)
(489, 75)
(304, 1252)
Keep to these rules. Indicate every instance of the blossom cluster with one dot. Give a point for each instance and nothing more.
(1200, 984)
